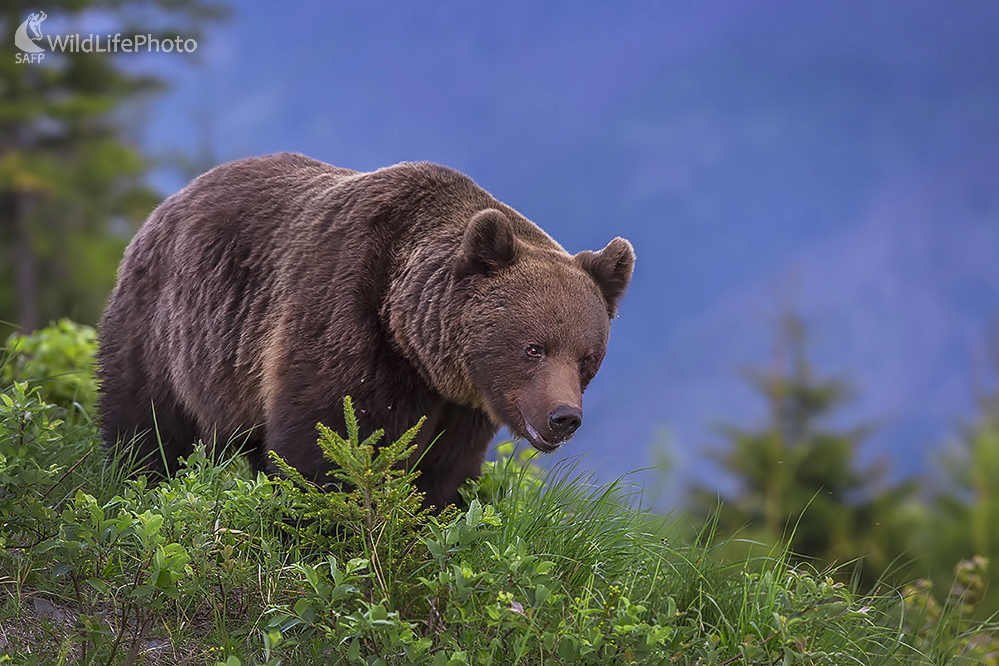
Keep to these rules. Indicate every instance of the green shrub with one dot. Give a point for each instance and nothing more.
(27, 428)
(216, 566)
(58, 359)
(557, 570)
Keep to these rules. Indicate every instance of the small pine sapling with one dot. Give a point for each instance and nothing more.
(378, 513)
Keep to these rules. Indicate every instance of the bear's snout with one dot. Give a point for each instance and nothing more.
(548, 436)
(563, 422)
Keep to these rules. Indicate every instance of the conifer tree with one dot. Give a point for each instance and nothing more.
(966, 512)
(797, 479)
(71, 174)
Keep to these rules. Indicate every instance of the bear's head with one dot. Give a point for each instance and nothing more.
(537, 321)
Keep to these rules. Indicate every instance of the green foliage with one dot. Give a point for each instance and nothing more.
(964, 521)
(148, 556)
(556, 570)
(212, 566)
(71, 175)
(379, 511)
(798, 490)
(100, 548)
(797, 481)
(941, 629)
(26, 428)
(60, 359)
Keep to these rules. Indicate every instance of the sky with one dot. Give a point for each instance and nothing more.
(837, 159)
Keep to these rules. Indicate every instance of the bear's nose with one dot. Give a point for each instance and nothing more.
(563, 421)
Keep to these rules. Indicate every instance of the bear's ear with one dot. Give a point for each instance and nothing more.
(487, 245)
(611, 269)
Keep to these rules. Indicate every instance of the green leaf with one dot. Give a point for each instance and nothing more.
(541, 594)
(62, 568)
(151, 523)
(435, 548)
(99, 585)
(301, 606)
(378, 613)
(474, 515)
(311, 576)
(144, 591)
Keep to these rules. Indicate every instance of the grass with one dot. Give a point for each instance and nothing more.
(217, 566)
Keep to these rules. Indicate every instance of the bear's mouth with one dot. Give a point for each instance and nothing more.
(537, 441)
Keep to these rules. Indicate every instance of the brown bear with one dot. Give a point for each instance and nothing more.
(251, 302)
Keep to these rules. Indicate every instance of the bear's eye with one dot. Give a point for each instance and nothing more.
(534, 351)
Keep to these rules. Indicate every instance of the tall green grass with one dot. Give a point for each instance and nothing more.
(219, 566)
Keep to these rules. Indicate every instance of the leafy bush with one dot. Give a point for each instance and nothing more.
(938, 630)
(556, 570)
(59, 360)
(379, 512)
(216, 566)
(26, 429)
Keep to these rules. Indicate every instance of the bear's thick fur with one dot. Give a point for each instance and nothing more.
(251, 302)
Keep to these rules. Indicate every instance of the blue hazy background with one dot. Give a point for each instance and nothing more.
(837, 159)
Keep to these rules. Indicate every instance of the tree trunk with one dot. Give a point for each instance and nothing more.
(26, 272)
